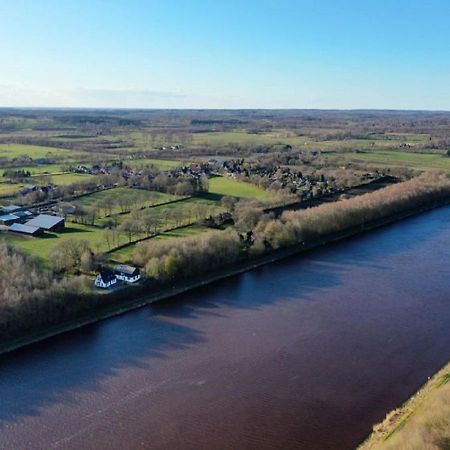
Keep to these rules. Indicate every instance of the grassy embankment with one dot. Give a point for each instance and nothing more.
(423, 422)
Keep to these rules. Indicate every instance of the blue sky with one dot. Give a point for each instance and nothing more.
(225, 54)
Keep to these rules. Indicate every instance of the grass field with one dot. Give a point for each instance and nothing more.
(125, 255)
(163, 164)
(33, 151)
(176, 213)
(421, 161)
(40, 169)
(42, 247)
(62, 179)
(7, 189)
(136, 198)
(388, 141)
(224, 186)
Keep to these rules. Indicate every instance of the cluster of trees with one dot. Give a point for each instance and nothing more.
(294, 227)
(186, 257)
(180, 258)
(16, 175)
(30, 296)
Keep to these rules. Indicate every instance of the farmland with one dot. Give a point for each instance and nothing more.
(224, 186)
(419, 161)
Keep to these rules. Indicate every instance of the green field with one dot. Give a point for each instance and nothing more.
(163, 164)
(125, 255)
(137, 198)
(42, 246)
(242, 137)
(62, 179)
(421, 161)
(8, 189)
(224, 186)
(33, 151)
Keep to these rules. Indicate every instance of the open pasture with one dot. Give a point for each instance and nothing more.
(225, 186)
(419, 161)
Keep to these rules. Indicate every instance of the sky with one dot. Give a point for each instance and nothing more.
(334, 54)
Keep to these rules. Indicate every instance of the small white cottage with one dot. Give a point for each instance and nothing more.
(105, 279)
(129, 274)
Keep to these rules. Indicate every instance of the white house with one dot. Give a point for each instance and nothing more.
(126, 273)
(105, 279)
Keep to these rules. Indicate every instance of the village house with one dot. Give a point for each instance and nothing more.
(129, 274)
(105, 279)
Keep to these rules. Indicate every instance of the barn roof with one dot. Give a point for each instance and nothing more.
(8, 217)
(45, 221)
(125, 269)
(20, 228)
(10, 208)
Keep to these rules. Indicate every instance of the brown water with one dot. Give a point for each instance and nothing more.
(306, 353)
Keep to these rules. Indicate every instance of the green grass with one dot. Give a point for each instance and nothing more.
(421, 161)
(224, 186)
(186, 208)
(163, 164)
(7, 189)
(137, 198)
(62, 179)
(41, 169)
(42, 246)
(388, 141)
(33, 151)
(125, 255)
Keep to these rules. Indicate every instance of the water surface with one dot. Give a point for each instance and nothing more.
(306, 353)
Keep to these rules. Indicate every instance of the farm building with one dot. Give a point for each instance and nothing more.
(25, 229)
(27, 189)
(23, 215)
(8, 219)
(47, 222)
(10, 209)
(126, 273)
(105, 279)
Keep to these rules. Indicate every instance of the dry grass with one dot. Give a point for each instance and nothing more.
(421, 423)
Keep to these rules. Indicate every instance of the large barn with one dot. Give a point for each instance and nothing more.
(47, 222)
(25, 229)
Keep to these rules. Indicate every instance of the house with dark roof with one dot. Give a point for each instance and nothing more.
(47, 222)
(105, 279)
(129, 274)
(25, 229)
(8, 219)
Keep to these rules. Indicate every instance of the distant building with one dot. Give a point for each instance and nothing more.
(25, 229)
(8, 219)
(105, 279)
(27, 189)
(126, 273)
(47, 222)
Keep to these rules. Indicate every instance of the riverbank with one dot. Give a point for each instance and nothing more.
(135, 298)
(421, 422)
